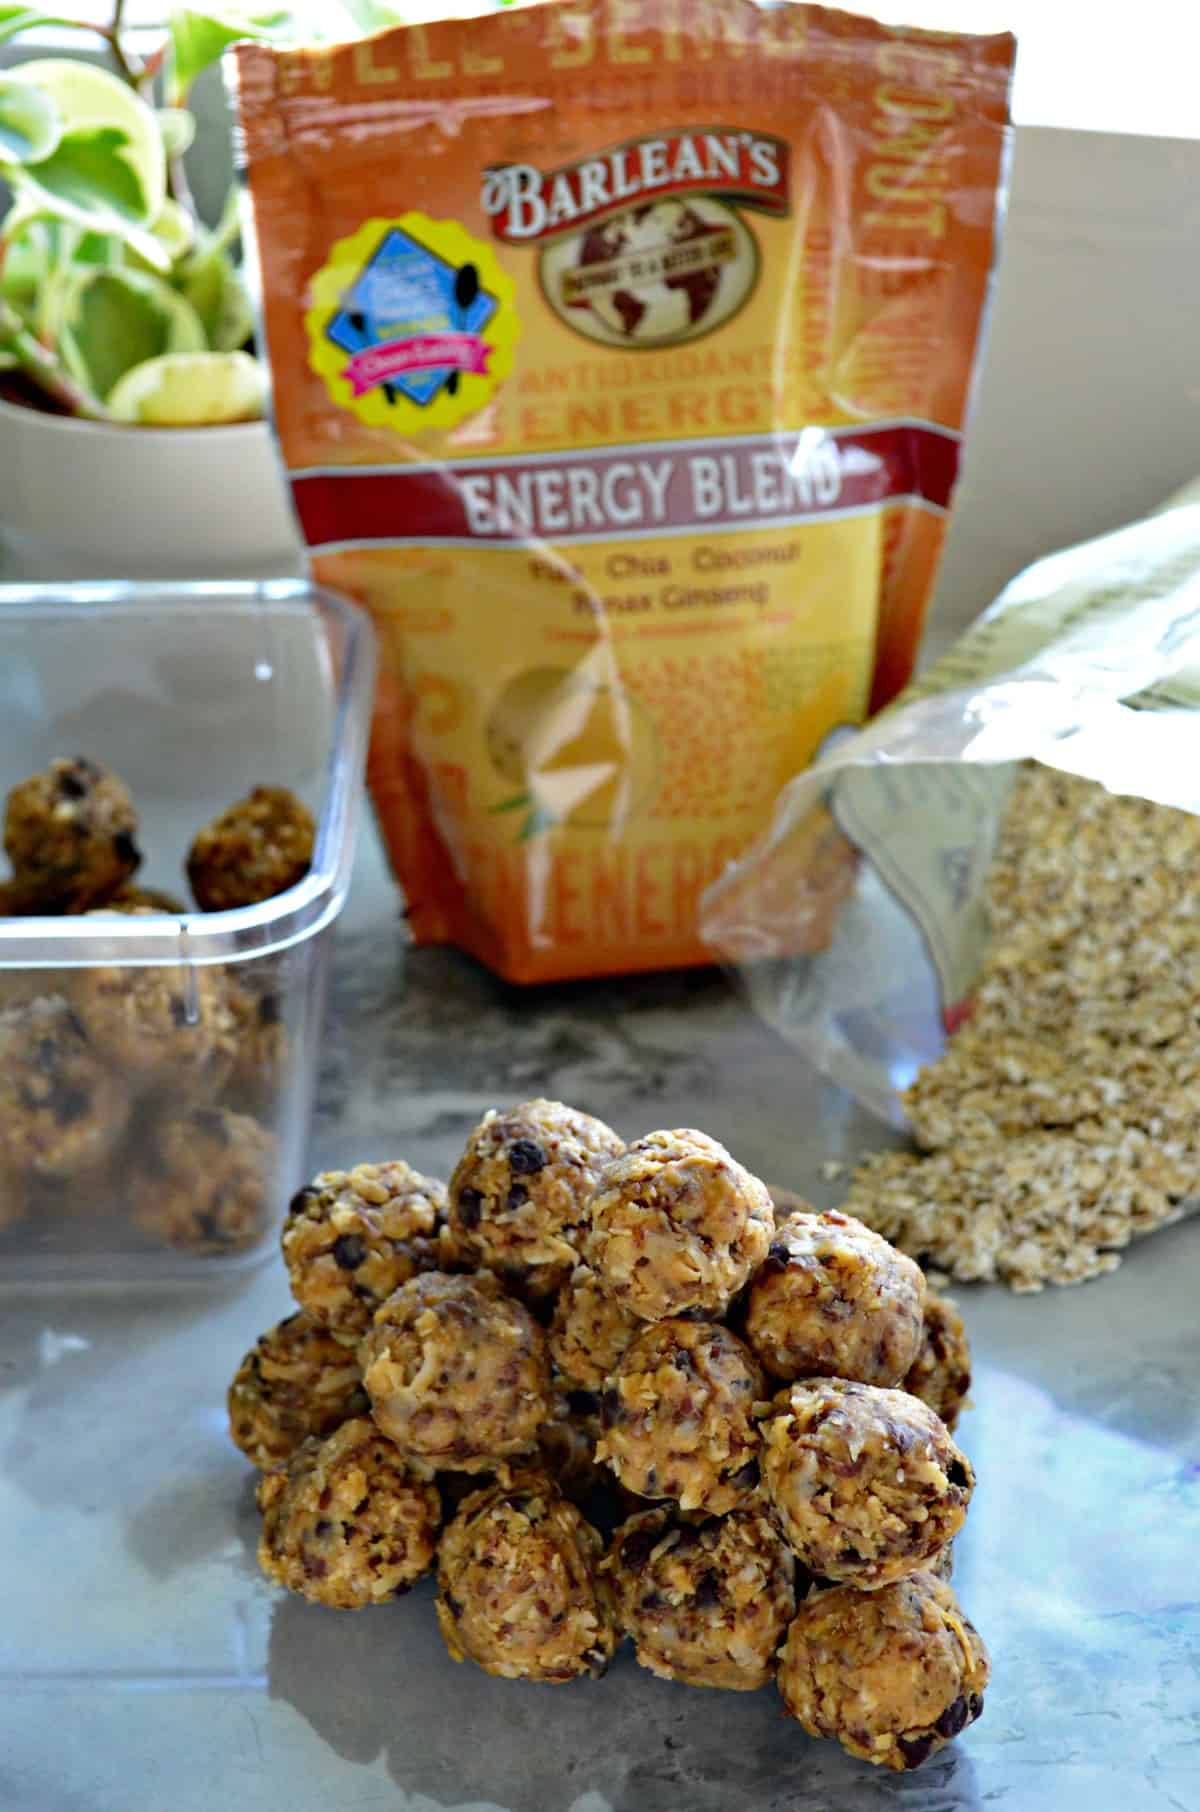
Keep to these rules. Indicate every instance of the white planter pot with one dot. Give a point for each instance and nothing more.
(92, 501)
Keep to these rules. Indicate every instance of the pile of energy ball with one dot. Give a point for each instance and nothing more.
(767, 1395)
(121, 1088)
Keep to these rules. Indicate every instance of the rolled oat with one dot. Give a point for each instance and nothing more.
(1063, 1119)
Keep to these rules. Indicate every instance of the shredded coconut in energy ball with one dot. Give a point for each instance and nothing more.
(345, 1523)
(677, 1226)
(707, 1601)
(296, 1381)
(866, 1483)
(70, 833)
(258, 848)
(893, 1675)
(678, 1416)
(520, 1191)
(1063, 1120)
(834, 1300)
(352, 1237)
(590, 1332)
(456, 1371)
(519, 1590)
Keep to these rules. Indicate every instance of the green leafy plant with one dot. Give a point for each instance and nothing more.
(117, 302)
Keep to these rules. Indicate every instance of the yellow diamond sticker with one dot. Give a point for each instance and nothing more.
(412, 323)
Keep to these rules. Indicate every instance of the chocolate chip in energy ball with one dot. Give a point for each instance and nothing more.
(956, 1717)
(69, 1104)
(637, 1548)
(72, 784)
(707, 1592)
(349, 1251)
(470, 1205)
(526, 1158)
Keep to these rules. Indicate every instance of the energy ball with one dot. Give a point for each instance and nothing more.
(16, 902)
(261, 1046)
(352, 1237)
(519, 1590)
(62, 1107)
(167, 1027)
(942, 1564)
(785, 1203)
(941, 1372)
(21, 987)
(258, 848)
(566, 1444)
(205, 1181)
(296, 1381)
(834, 1300)
(520, 1190)
(346, 1524)
(589, 1332)
(678, 1419)
(565, 1448)
(71, 835)
(891, 1675)
(677, 1226)
(456, 1371)
(867, 1483)
(707, 1603)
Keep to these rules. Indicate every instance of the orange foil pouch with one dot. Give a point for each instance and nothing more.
(620, 351)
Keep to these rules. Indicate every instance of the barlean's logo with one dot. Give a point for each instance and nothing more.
(643, 244)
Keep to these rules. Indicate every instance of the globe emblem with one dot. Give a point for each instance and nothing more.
(662, 271)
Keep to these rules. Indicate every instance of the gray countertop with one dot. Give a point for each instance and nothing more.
(146, 1667)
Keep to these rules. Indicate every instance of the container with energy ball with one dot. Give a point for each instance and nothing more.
(621, 352)
(158, 1057)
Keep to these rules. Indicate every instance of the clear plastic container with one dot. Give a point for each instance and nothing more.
(178, 1169)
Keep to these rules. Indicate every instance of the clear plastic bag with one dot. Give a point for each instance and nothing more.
(878, 857)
